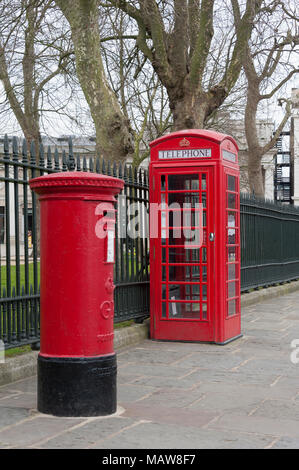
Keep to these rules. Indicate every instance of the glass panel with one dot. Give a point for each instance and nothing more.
(203, 182)
(231, 253)
(176, 292)
(192, 256)
(184, 273)
(163, 187)
(231, 236)
(231, 219)
(231, 183)
(204, 311)
(163, 273)
(182, 255)
(232, 271)
(204, 255)
(204, 292)
(192, 291)
(231, 200)
(231, 289)
(184, 218)
(186, 237)
(184, 292)
(204, 274)
(181, 199)
(204, 199)
(181, 182)
(164, 307)
(191, 218)
(229, 155)
(163, 291)
(163, 219)
(184, 310)
(231, 307)
(163, 255)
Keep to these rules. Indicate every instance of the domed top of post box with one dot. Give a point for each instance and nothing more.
(76, 182)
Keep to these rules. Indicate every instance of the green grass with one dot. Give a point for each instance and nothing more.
(17, 351)
(22, 276)
(123, 324)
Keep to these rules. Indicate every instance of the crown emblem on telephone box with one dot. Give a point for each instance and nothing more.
(184, 142)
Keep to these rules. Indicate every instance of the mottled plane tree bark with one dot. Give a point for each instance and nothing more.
(177, 38)
(114, 138)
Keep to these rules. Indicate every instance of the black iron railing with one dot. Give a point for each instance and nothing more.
(19, 238)
(269, 239)
(269, 242)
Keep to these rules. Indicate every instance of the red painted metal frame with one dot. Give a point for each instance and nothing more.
(219, 327)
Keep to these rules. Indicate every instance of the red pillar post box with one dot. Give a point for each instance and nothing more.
(195, 259)
(77, 363)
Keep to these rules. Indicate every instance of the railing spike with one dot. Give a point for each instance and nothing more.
(56, 159)
(49, 158)
(78, 163)
(6, 145)
(32, 153)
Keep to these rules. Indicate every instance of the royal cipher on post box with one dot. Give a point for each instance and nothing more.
(195, 237)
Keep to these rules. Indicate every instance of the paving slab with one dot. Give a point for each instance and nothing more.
(88, 434)
(183, 395)
(167, 436)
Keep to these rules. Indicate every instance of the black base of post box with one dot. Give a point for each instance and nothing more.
(77, 386)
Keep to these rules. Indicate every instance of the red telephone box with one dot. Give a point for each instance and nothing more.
(195, 237)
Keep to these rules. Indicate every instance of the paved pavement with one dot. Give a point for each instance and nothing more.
(181, 395)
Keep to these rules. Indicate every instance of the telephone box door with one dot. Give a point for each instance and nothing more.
(184, 255)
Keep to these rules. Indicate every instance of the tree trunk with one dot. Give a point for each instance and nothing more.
(189, 108)
(113, 132)
(255, 174)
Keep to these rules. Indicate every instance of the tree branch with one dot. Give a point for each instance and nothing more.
(243, 26)
(9, 89)
(279, 85)
(178, 40)
(278, 131)
(203, 43)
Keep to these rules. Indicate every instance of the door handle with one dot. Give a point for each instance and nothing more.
(212, 236)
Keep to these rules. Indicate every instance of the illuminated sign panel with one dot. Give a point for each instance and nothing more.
(185, 153)
(228, 156)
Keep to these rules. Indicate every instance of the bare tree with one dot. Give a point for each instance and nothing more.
(113, 132)
(142, 97)
(30, 58)
(269, 63)
(197, 69)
